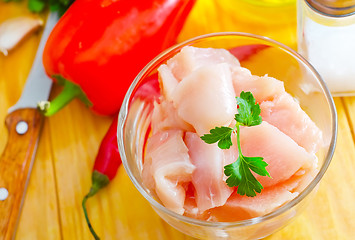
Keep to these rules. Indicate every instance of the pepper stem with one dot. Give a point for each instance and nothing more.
(87, 217)
(99, 181)
(69, 92)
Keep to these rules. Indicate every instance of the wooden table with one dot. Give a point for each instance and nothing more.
(69, 142)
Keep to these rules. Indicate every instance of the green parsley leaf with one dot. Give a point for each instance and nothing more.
(257, 165)
(222, 135)
(248, 111)
(239, 173)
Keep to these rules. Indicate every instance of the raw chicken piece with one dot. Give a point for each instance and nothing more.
(191, 209)
(263, 88)
(240, 77)
(198, 89)
(167, 81)
(165, 117)
(282, 154)
(210, 189)
(286, 114)
(206, 99)
(300, 180)
(191, 58)
(167, 167)
(240, 207)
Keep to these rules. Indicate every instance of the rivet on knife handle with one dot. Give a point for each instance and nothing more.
(24, 127)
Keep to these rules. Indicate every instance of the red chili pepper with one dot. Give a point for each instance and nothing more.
(99, 46)
(246, 51)
(105, 169)
(108, 157)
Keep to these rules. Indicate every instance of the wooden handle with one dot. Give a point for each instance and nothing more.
(24, 127)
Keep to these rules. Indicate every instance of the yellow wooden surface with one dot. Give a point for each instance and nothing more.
(70, 139)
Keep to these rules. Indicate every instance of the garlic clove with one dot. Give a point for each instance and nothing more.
(14, 30)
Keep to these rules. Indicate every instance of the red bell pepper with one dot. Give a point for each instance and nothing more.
(99, 46)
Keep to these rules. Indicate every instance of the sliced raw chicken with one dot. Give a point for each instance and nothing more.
(165, 117)
(286, 114)
(263, 88)
(206, 99)
(191, 58)
(283, 155)
(198, 88)
(300, 180)
(168, 168)
(240, 77)
(167, 81)
(242, 207)
(191, 209)
(210, 188)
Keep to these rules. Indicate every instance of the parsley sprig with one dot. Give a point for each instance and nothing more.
(239, 172)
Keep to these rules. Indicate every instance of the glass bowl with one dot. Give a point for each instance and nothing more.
(301, 80)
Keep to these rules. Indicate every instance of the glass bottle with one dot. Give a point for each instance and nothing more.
(326, 37)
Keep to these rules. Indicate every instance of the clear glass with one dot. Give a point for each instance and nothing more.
(326, 37)
(300, 79)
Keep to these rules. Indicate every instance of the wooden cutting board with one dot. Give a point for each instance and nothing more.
(62, 171)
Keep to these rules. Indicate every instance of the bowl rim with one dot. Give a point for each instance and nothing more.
(328, 157)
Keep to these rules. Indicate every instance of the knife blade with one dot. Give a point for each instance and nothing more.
(24, 124)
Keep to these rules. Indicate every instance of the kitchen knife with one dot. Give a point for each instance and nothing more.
(24, 123)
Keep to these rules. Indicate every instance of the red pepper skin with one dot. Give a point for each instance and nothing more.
(108, 158)
(101, 45)
(244, 52)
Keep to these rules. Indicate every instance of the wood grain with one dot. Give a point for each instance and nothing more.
(75, 137)
(40, 216)
(16, 165)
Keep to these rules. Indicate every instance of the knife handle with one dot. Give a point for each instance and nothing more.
(24, 126)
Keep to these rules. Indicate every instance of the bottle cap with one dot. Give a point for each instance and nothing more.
(335, 8)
